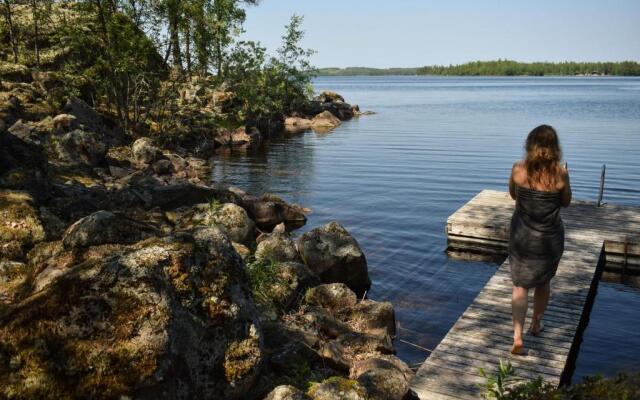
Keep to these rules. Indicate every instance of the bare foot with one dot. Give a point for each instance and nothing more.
(518, 347)
(536, 327)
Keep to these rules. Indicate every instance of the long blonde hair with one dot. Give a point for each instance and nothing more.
(543, 155)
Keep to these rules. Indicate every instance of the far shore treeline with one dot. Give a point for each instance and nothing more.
(499, 68)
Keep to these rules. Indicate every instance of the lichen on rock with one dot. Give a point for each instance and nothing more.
(135, 322)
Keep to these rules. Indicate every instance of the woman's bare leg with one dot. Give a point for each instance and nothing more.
(540, 301)
(519, 299)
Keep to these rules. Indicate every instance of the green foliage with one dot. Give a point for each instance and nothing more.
(512, 68)
(269, 87)
(263, 277)
(215, 205)
(504, 386)
(497, 387)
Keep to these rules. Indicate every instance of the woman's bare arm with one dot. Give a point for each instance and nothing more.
(512, 183)
(566, 190)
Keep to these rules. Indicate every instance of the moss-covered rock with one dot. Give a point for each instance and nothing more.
(14, 72)
(371, 317)
(164, 318)
(383, 377)
(78, 147)
(337, 388)
(14, 281)
(20, 226)
(104, 227)
(234, 221)
(286, 392)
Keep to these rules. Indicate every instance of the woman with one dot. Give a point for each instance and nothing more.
(540, 186)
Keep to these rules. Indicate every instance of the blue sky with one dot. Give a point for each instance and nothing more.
(404, 33)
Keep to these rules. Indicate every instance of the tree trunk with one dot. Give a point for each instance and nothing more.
(174, 26)
(34, 5)
(187, 43)
(12, 35)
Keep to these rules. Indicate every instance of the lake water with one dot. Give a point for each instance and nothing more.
(393, 178)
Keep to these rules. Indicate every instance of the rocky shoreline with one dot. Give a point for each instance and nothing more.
(124, 273)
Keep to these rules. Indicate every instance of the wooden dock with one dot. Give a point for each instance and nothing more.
(483, 334)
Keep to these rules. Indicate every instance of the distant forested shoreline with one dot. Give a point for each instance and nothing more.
(499, 68)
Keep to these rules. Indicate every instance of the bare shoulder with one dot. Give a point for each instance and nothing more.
(519, 172)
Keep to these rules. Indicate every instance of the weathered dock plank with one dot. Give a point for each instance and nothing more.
(483, 333)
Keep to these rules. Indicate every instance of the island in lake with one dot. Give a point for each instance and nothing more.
(499, 68)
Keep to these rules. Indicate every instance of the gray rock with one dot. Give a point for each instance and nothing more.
(144, 151)
(359, 343)
(104, 227)
(372, 317)
(296, 124)
(286, 392)
(325, 120)
(269, 210)
(277, 247)
(80, 148)
(324, 322)
(20, 146)
(234, 221)
(332, 296)
(337, 388)
(383, 378)
(88, 119)
(335, 256)
(292, 279)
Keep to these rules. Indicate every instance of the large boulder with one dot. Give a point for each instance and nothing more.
(234, 221)
(90, 120)
(335, 256)
(169, 318)
(384, 377)
(105, 227)
(20, 146)
(269, 210)
(144, 151)
(79, 147)
(20, 225)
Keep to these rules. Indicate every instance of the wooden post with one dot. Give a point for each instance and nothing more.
(600, 193)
